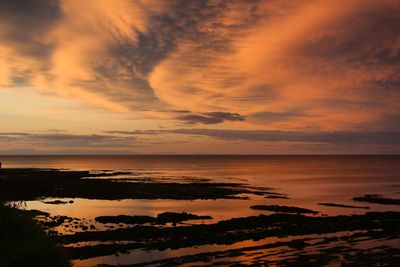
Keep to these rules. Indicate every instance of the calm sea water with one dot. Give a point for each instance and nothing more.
(223, 165)
(307, 180)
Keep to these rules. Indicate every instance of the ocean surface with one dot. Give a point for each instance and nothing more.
(306, 180)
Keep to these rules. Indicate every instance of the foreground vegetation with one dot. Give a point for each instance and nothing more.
(24, 243)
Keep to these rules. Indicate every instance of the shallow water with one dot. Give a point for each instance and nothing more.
(306, 180)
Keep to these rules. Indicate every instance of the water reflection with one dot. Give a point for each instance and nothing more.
(306, 181)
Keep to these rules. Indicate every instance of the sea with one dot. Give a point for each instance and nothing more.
(305, 180)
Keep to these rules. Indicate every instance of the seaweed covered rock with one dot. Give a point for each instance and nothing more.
(285, 209)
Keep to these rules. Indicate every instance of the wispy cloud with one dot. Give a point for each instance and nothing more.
(317, 70)
(211, 117)
(67, 141)
(268, 117)
(335, 137)
(160, 141)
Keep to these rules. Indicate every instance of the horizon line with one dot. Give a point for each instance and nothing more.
(198, 154)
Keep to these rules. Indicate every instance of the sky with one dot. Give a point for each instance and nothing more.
(199, 77)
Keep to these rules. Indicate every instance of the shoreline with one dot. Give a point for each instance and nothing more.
(180, 230)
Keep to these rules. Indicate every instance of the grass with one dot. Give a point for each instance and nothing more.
(23, 242)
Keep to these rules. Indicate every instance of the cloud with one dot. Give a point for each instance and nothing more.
(35, 152)
(113, 138)
(304, 51)
(195, 141)
(333, 137)
(203, 55)
(337, 137)
(75, 54)
(266, 116)
(211, 118)
(289, 65)
(136, 132)
(21, 33)
(67, 141)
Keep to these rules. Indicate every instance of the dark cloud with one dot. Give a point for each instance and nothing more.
(391, 122)
(365, 38)
(137, 132)
(194, 21)
(181, 111)
(211, 118)
(63, 152)
(119, 141)
(275, 116)
(24, 23)
(34, 11)
(68, 140)
(31, 16)
(178, 111)
(197, 22)
(390, 84)
(111, 139)
(335, 137)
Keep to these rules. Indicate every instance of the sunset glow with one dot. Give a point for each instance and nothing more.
(189, 77)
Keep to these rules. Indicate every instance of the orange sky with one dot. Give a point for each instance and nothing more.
(147, 76)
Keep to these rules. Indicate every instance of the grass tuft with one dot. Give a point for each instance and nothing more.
(23, 242)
